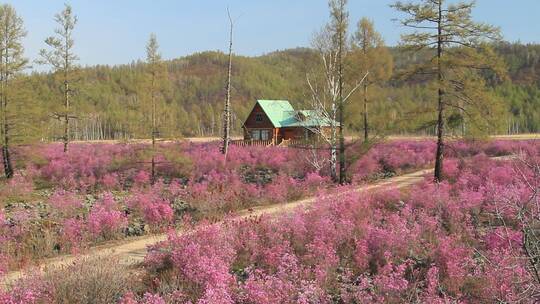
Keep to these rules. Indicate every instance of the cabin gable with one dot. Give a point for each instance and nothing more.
(258, 125)
(258, 119)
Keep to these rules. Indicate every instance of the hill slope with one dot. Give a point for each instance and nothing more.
(112, 102)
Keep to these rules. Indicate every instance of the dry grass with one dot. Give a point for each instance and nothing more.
(101, 280)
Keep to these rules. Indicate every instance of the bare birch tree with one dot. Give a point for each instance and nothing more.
(12, 62)
(62, 58)
(326, 95)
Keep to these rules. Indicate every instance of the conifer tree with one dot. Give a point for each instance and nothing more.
(62, 58)
(153, 59)
(460, 53)
(369, 56)
(12, 62)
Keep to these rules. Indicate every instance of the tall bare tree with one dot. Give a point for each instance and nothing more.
(460, 50)
(370, 56)
(153, 59)
(62, 58)
(227, 108)
(12, 62)
(325, 92)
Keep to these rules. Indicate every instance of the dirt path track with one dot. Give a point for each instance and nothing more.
(132, 251)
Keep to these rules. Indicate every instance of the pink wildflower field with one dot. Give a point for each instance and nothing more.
(464, 240)
(458, 241)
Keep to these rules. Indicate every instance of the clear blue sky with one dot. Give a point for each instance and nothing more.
(115, 31)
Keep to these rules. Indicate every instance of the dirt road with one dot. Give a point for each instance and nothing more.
(132, 251)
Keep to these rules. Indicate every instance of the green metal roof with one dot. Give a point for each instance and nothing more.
(307, 118)
(276, 110)
(282, 115)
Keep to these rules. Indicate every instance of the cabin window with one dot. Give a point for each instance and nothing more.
(258, 117)
(256, 134)
(265, 135)
(260, 134)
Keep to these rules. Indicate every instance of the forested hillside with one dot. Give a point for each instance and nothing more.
(112, 102)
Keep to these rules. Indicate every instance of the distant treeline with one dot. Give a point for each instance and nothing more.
(108, 101)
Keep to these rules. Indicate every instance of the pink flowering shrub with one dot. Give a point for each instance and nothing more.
(73, 233)
(206, 274)
(66, 202)
(391, 158)
(27, 291)
(253, 175)
(110, 181)
(432, 243)
(105, 220)
(103, 166)
(391, 279)
(152, 299)
(81, 168)
(503, 274)
(148, 298)
(314, 181)
(503, 239)
(87, 167)
(17, 188)
(154, 208)
(398, 156)
(142, 178)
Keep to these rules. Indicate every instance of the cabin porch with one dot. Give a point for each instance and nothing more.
(275, 136)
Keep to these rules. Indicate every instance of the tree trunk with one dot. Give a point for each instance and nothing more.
(366, 126)
(153, 173)
(439, 156)
(66, 109)
(6, 158)
(341, 106)
(333, 147)
(8, 167)
(463, 125)
(227, 110)
(333, 163)
(66, 91)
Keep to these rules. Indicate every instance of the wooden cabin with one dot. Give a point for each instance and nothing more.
(275, 121)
